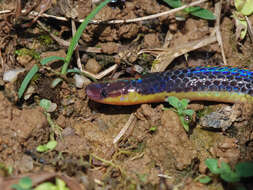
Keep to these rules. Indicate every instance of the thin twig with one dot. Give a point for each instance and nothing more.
(2, 62)
(65, 43)
(124, 129)
(34, 13)
(250, 29)
(164, 176)
(218, 6)
(151, 16)
(18, 8)
(105, 72)
(166, 55)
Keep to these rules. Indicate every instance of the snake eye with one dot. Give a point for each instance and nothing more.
(103, 93)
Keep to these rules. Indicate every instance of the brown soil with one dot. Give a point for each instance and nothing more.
(155, 152)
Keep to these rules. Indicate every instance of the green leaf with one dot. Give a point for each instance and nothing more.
(195, 11)
(201, 13)
(25, 182)
(45, 104)
(153, 129)
(230, 177)
(205, 179)
(41, 148)
(227, 174)
(27, 80)
(188, 112)
(173, 101)
(184, 123)
(16, 187)
(46, 186)
(184, 103)
(173, 3)
(61, 185)
(51, 145)
(242, 27)
(225, 168)
(212, 165)
(244, 6)
(244, 169)
(180, 106)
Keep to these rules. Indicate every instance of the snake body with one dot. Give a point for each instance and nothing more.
(220, 84)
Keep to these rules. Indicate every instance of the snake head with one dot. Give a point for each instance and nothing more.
(100, 92)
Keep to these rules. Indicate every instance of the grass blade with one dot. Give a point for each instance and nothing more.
(78, 34)
(27, 80)
(50, 59)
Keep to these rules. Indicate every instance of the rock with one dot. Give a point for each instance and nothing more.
(12, 75)
(81, 81)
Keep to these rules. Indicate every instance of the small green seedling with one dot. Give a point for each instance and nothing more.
(243, 8)
(59, 185)
(50, 145)
(195, 11)
(24, 183)
(242, 170)
(181, 108)
(153, 129)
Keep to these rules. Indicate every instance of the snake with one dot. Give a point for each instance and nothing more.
(219, 84)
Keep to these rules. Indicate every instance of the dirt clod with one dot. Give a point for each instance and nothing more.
(93, 66)
(171, 141)
(17, 126)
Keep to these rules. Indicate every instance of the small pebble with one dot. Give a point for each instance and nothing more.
(93, 66)
(81, 81)
(12, 75)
